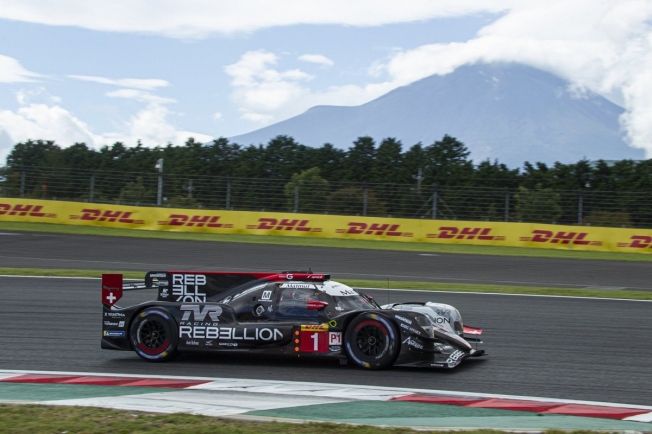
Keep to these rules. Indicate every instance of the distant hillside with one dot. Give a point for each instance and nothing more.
(506, 111)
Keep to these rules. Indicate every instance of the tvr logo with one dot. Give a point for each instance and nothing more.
(199, 313)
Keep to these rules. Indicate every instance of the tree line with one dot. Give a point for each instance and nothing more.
(365, 169)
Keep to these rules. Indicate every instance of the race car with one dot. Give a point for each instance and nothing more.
(298, 313)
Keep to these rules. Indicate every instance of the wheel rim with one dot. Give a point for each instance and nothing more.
(152, 336)
(371, 340)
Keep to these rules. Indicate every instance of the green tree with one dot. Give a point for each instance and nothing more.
(360, 159)
(309, 189)
(538, 205)
(136, 193)
(349, 201)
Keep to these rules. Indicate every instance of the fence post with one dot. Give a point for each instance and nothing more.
(22, 183)
(365, 199)
(228, 193)
(296, 198)
(580, 208)
(507, 205)
(91, 188)
(190, 189)
(434, 201)
(159, 190)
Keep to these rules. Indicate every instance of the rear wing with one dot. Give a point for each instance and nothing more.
(195, 286)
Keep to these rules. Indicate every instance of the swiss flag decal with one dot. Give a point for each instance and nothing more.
(111, 288)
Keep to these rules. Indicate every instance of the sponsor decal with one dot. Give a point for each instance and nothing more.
(260, 309)
(209, 343)
(114, 333)
(228, 344)
(560, 237)
(114, 315)
(404, 319)
(185, 287)
(440, 320)
(195, 312)
(24, 210)
(158, 275)
(109, 215)
(465, 233)
(314, 327)
(200, 221)
(455, 358)
(273, 224)
(387, 229)
(412, 343)
(264, 334)
(165, 292)
(120, 324)
(638, 242)
(192, 343)
(266, 296)
(334, 338)
(297, 286)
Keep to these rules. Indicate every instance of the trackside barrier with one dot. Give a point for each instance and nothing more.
(329, 226)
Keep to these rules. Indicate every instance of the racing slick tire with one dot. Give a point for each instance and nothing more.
(371, 341)
(153, 335)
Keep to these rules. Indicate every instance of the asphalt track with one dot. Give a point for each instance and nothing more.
(120, 253)
(551, 347)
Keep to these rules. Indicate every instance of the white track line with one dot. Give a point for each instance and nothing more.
(384, 289)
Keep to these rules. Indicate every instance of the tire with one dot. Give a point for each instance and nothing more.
(371, 341)
(153, 335)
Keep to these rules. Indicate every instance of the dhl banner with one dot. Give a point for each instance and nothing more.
(329, 226)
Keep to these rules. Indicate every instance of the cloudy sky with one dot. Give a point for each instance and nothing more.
(98, 72)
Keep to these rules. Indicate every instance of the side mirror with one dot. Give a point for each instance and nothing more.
(316, 304)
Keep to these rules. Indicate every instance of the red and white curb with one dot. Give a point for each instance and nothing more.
(231, 396)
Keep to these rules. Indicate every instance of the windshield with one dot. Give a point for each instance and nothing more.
(345, 304)
(346, 298)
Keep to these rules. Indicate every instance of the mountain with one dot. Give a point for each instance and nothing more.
(510, 112)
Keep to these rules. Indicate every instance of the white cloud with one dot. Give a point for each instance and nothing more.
(318, 59)
(260, 89)
(199, 18)
(602, 46)
(47, 122)
(36, 95)
(140, 96)
(51, 121)
(11, 71)
(218, 116)
(131, 83)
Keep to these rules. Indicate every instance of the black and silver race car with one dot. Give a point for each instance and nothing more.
(287, 313)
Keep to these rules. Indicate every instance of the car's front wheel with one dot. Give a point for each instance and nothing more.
(153, 335)
(371, 341)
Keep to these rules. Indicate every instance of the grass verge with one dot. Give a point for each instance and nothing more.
(325, 242)
(45, 419)
(395, 284)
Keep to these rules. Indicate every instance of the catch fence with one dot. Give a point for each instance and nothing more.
(587, 207)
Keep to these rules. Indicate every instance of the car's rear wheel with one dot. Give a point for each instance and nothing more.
(371, 341)
(153, 335)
